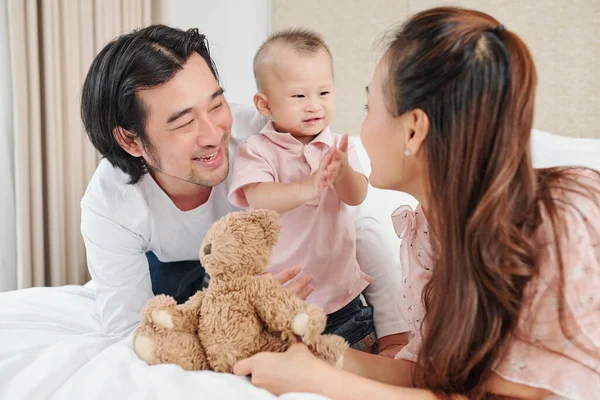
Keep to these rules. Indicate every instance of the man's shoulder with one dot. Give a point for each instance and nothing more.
(247, 122)
(110, 194)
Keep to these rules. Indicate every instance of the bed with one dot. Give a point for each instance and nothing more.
(51, 345)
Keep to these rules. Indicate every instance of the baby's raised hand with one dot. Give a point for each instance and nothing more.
(341, 157)
(332, 166)
(323, 177)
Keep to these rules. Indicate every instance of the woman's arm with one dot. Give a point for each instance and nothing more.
(382, 369)
(298, 370)
(338, 384)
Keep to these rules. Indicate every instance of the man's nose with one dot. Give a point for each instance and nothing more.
(210, 133)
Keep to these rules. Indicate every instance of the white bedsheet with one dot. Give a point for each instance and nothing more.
(50, 347)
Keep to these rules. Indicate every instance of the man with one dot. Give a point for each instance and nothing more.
(153, 107)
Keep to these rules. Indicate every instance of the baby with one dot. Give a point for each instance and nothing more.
(298, 167)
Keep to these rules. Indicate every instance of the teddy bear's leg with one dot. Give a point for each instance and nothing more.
(165, 346)
(330, 348)
(164, 312)
(310, 323)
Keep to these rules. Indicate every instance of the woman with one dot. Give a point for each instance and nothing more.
(501, 260)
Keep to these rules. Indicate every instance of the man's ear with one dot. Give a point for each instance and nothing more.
(127, 141)
(262, 104)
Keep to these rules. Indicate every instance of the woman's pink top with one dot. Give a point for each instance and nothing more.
(541, 356)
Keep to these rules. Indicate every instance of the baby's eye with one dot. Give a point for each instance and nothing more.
(324, 93)
(298, 96)
(367, 107)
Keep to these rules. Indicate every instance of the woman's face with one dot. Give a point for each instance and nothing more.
(386, 137)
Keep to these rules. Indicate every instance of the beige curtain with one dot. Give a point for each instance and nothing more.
(52, 45)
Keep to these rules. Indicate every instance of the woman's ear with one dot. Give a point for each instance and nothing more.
(127, 141)
(417, 129)
(262, 104)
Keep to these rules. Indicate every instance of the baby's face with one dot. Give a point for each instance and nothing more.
(299, 88)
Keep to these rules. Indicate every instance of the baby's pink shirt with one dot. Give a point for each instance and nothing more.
(541, 356)
(318, 236)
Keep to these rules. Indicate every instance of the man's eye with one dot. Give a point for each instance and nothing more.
(186, 124)
(367, 107)
(298, 96)
(218, 106)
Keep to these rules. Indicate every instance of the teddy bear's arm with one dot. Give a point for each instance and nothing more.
(193, 304)
(281, 311)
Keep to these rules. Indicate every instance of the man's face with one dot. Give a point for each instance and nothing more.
(188, 123)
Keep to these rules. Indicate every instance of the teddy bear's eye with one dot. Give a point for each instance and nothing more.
(207, 249)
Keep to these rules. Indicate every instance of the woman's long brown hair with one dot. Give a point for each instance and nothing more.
(476, 82)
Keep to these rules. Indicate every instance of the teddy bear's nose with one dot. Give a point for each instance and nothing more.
(207, 249)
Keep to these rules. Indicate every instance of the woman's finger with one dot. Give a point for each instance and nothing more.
(243, 367)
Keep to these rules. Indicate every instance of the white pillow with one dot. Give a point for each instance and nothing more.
(550, 150)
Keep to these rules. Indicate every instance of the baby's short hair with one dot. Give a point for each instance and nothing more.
(302, 40)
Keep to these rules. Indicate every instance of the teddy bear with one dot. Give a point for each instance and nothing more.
(240, 313)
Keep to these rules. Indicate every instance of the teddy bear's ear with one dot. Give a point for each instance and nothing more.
(269, 220)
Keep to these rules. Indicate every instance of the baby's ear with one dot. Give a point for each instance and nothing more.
(261, 102)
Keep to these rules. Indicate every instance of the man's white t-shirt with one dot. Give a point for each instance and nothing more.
(121, 222)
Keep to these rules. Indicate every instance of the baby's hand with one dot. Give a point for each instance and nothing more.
(391, 351)
(333, 165)
(323, 177)
(340, 158)
(391, 345)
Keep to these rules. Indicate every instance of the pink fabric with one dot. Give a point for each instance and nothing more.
(318, 236)
(539, 355)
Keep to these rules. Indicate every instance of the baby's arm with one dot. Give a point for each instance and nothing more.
(280, 197)
(351, 186)
(283, 197)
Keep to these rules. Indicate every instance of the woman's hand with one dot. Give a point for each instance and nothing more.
(301, 288)
(296, 370)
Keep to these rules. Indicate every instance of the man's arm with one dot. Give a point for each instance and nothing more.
(119, 268)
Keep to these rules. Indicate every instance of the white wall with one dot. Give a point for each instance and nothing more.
(234, 29)
(8, 239)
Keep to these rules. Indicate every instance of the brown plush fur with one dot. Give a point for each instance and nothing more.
(240, 313)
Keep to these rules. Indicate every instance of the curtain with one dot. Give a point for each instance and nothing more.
(8, 251)
(52, 44)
